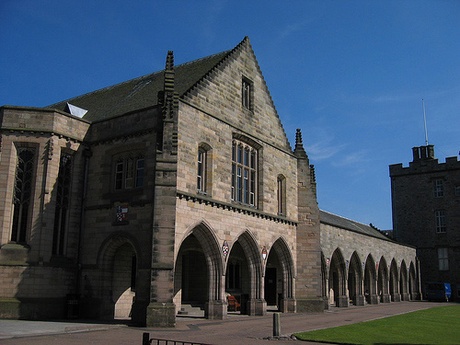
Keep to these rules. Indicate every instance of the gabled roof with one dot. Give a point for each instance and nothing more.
(347, 224)
(142, 92)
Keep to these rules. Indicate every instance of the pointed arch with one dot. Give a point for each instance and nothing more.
(279, 277)
(338, 279)
(394, 282)
(403, 282)
(370, 281)
(355, 278)
(251, 249)
(382, 280)
(244, 274)
(119, 259)
(413, 286)
(199, 271)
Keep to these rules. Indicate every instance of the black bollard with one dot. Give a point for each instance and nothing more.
(145, 338)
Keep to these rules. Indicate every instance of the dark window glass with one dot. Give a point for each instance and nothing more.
(22, 193)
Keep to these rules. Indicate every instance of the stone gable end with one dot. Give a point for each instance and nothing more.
(220, 95)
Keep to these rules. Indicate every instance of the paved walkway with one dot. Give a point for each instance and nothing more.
(236, 329)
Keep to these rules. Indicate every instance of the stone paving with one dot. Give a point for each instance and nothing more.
(236, 329)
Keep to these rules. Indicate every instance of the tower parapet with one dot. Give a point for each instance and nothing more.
(424, 161)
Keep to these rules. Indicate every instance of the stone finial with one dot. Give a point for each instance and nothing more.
(298, 138)
(299, 151)
(170, 97)
(170, 61)
(169, 73)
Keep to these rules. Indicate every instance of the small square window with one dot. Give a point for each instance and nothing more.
(129, 172)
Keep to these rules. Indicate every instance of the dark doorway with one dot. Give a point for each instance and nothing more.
(194, 278)
(270, 285)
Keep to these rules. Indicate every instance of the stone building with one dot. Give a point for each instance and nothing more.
(173, 189)
(426, 214)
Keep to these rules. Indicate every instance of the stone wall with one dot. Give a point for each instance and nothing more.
(348, 242)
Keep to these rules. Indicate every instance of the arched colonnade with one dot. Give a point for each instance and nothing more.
(209, 271)
(358, 281)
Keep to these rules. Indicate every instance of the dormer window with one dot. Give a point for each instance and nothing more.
(247, 94)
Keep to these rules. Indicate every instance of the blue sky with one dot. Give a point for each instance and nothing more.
(350, 74)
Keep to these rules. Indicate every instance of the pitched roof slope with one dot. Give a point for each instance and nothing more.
(141, 92)
(347, 224)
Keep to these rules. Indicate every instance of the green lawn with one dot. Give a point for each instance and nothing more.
(440, 325)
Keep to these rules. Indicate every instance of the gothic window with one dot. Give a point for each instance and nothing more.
(443, 259)
(201, 173)
(204, 169)
(61, 213)
(22, 196)
(129, 172)
(438, 188)
(244, 173)
(281, 194)
(440, 217)
(247, 94)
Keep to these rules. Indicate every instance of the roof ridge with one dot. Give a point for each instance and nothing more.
(349, 219)
(105, 88)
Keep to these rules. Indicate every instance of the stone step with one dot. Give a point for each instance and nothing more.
(196, 310)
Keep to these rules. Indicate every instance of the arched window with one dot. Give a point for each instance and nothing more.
(203, 175)
(244, 173)
(22, 197)
(281, 195)
(61, 212)
(247, 93)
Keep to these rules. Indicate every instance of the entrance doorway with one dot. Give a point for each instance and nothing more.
(270, 286)
(124, 281)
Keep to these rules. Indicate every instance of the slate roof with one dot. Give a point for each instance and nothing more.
(347, 224)
(141, 92)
